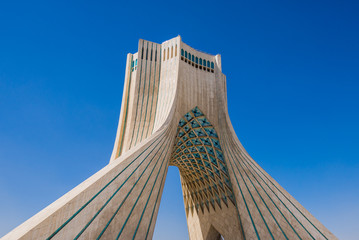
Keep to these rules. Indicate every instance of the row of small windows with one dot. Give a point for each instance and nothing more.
(146, 57)
(168, 53)
(171, 52)
(134, 65)
(198, 62)
(145, 54)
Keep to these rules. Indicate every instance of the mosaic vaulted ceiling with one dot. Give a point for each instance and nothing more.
(200, 160)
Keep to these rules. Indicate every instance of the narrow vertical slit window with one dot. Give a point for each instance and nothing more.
(142, 54)
(182, 52)
(151, 55)
(164, 55)
(189, 56)
(168, 53)
(147, 53)
(185, 54)
(172, 52)
(156, 56)
(176, 51)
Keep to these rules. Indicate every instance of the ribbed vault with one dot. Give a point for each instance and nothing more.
(198, 155)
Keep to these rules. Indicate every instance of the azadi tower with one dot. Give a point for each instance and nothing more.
(174, 113)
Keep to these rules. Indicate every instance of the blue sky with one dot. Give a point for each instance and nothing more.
(293, 81)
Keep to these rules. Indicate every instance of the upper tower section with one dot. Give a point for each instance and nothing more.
(158, 74)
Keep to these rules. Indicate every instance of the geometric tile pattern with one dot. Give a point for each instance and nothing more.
(200, 160)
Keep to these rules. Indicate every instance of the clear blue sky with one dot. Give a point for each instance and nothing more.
(293, 88)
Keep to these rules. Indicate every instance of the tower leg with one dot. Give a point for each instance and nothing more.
(120, 201)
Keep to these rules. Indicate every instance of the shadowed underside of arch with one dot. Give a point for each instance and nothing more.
(206, 186)
(199, 158)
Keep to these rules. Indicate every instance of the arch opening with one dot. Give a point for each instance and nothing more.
(213, 234)
(171, 220)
